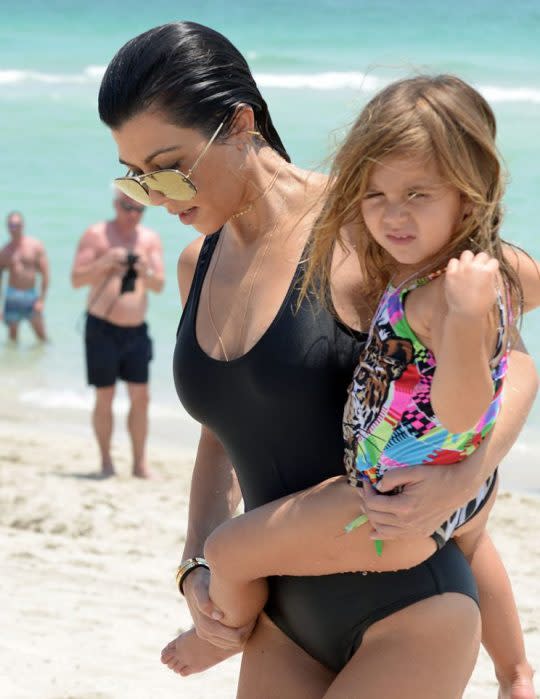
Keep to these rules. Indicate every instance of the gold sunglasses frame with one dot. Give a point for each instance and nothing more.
(141, 180)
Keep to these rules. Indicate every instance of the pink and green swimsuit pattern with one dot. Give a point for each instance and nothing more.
(389, 420)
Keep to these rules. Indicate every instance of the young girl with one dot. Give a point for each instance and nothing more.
(418, 186)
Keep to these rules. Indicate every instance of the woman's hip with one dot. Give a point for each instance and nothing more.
(328, 615)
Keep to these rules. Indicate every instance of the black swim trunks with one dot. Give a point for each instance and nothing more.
(116, 352)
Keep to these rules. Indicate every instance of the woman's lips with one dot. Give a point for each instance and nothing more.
(188, 215)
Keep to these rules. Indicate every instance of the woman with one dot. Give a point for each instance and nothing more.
(267, 381)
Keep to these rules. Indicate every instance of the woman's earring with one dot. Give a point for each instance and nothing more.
(246, 143)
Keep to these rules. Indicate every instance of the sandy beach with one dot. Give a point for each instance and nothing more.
(87, 593)
(86, 590)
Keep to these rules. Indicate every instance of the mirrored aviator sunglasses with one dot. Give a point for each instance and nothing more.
(171, 183)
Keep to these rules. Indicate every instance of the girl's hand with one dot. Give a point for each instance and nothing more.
(206, 615)
(470, 284)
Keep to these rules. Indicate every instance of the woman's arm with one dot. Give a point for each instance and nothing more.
(214, 497)
(432, 493)
(528, 270)
(214, 494)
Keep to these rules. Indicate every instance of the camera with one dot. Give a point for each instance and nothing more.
(128, 280)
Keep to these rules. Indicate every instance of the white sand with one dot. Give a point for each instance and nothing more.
(87, 597)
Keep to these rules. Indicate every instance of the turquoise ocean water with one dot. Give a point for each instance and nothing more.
(316, 63)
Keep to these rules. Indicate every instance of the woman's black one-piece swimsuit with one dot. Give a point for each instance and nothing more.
(277, 410)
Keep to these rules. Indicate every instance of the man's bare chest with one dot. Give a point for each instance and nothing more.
(24, 259)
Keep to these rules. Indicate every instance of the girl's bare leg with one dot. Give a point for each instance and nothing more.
(302, 534)
(502, 636)
(426, 650)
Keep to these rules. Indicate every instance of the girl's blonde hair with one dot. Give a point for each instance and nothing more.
(440, 118)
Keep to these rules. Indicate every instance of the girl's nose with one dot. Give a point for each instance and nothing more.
(394, 212)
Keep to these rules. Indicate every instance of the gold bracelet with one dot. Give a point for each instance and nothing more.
(185, 568)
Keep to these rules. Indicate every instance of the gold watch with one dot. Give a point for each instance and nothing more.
(186, 567)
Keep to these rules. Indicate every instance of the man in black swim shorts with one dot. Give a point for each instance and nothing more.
(120, 260)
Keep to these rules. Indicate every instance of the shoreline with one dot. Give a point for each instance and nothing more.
(172, 430)
(87, 590)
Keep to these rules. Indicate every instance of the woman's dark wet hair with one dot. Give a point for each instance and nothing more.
(190, 73)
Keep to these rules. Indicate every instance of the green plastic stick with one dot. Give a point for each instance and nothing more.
(362, 519)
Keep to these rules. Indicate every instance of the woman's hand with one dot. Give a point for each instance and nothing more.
(430, 495)
(206, 616)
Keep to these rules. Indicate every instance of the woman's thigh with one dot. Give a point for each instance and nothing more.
(426, 650)
(274, 667)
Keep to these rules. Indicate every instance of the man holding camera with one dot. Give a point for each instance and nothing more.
(120, 260)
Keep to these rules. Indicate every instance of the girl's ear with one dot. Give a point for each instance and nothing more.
(466, 207)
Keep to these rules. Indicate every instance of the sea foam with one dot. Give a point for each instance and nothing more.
(340, 80)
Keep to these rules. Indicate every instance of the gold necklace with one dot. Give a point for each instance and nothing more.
(259, 196)
(254, 276)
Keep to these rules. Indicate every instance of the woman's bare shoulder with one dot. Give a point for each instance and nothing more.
(315, 183)
(528, 270)
(347, 286)
(185, 268)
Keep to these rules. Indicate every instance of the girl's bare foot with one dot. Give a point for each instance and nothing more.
(189, 654)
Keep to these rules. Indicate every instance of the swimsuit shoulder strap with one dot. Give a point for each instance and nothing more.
(391, 309)
(201, 268)
(503, 328)
(203, 262)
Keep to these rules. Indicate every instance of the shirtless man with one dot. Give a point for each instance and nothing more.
(24, 258)
(120, 260)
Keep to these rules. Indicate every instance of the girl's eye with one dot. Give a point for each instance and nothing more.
(415, 195)
(372, 195)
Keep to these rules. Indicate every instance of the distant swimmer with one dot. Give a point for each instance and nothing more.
(25, 259)
(120, 260)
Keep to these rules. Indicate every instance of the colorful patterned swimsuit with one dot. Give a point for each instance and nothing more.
(389, 420)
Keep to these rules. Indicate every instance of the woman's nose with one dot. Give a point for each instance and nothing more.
(156, 197)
